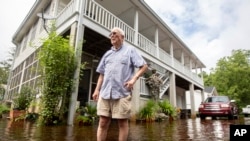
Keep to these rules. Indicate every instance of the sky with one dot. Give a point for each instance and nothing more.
(210, 28)
(12, 14)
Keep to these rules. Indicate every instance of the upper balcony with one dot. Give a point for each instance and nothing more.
(143, 28)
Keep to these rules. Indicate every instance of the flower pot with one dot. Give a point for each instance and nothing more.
(16, 113)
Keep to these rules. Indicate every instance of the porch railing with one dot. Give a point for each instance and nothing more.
(146, 45)
(69, 11)
(144, 90)
(98, 14)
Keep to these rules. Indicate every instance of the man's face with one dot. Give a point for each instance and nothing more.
(116, 38)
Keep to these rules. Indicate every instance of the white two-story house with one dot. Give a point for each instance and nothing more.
(92, 20)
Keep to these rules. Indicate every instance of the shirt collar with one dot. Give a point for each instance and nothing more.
(114, 49)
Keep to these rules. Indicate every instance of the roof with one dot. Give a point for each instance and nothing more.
(209, 89)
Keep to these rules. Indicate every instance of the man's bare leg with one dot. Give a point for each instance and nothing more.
(123, 129)
(103, 128)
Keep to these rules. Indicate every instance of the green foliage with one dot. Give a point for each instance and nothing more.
(23, 99)
(231, 76)
(4, 108)
(31, 116)
(148, 111)
(90, 110)
(167, 108)
(2, 92)
(28, 117)
(5, 67)
(4, 72)
(84, 120)
(57, 59)
(87, 115)
(207, 79)
(151, 108)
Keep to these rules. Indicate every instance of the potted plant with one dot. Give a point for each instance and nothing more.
(167, 109)
(86, 115)
(148, 112)
(21, 102)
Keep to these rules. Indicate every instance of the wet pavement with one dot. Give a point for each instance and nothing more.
(177, 130)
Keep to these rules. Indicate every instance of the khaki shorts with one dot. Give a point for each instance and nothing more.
(115, 108)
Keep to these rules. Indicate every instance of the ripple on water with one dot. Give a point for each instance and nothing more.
(181, 129)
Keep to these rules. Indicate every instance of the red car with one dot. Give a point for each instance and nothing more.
(218, 106)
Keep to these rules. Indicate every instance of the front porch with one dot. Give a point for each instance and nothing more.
(161, 49)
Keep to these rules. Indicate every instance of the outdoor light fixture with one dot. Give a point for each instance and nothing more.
(45, 17)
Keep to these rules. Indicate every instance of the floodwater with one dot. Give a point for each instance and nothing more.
(177, 130)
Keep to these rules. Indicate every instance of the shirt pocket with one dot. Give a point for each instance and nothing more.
(124, 60)
(108, 66)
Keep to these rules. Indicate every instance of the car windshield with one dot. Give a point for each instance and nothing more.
(217, 99)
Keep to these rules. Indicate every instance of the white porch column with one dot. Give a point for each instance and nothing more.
(201, 74)
(202, 95)
(196, 71)
(77, 31)
(172, 88)
(135, 99)
(182, 58)
(157, 42)
(182, 61)
(192, 100)
(172, 52)
(136, 27)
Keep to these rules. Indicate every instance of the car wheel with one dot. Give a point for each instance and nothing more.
(236, 116)
(202, 116)
(231, 117)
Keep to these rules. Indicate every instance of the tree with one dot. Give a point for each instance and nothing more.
(5, 66)
(57, 60)
(207, 79)
(232, 76)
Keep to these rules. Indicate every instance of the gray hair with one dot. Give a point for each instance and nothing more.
(119, 30)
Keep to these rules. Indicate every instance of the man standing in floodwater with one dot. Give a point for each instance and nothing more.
(115, 84)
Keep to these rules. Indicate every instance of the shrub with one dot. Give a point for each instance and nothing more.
(23, 99)
(166, 108)
(4, 109)
(87, 115)
(148, 111)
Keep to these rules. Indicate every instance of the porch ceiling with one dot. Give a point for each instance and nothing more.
(148, 22)
(182, 83)
(95, 43)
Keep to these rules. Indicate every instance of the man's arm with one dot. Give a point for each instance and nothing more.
(141, 71)
(98, 87)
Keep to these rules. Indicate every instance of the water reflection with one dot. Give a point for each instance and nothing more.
(178, 130)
